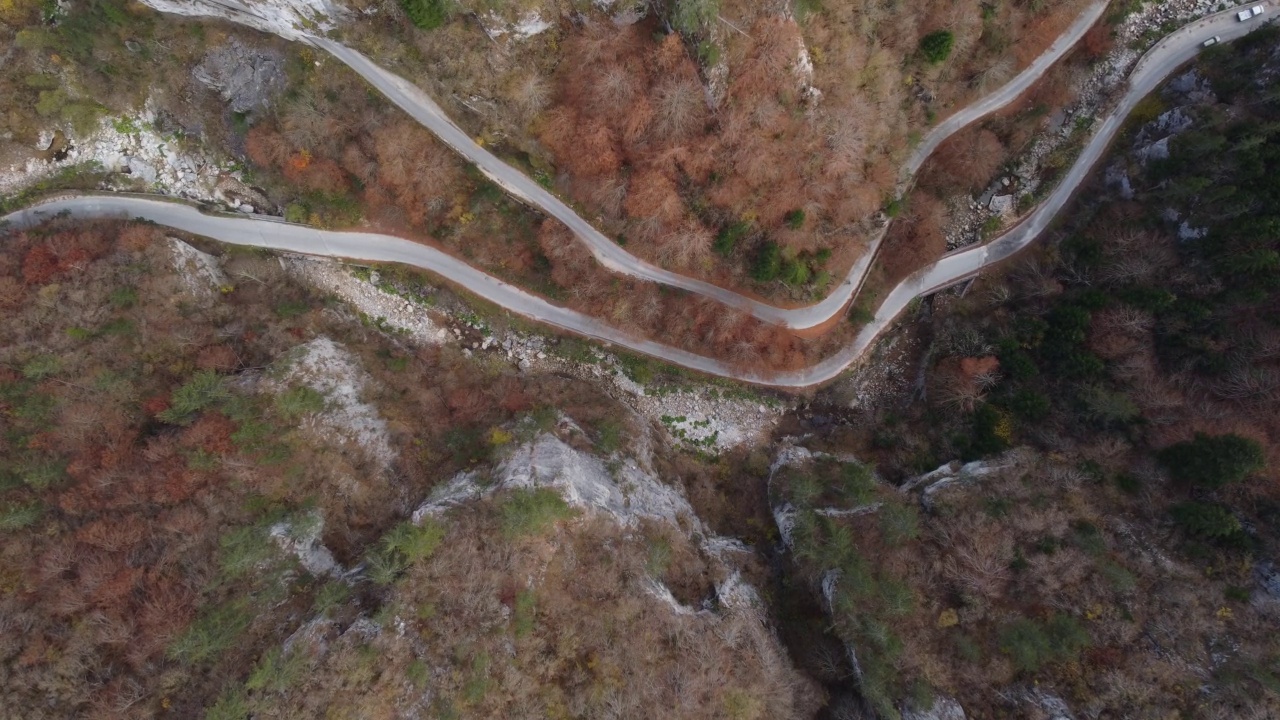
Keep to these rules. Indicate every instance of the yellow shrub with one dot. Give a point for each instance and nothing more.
(17, 12)
(1004, 428)
(499, 437)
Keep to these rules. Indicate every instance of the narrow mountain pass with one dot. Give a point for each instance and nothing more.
(1160, 62)
(611, 255)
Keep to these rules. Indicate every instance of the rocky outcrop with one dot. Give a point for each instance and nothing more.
(943, 708)
(130, 148)
(1002, 205)
(331, 370)
(290, 19)
(529, 23)
(301, 539)
(957, 473)
(626, 493)
(1268, 576)
(784, 513)
(201, 273)
(247, 78)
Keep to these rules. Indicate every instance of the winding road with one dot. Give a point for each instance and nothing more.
(1162, 60)
(421, 107)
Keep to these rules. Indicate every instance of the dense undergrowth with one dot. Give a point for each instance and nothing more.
(751, 144)
(1121, 383)
(158, 460)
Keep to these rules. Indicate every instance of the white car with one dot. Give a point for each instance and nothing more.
(1252, 12)
(1213, 40)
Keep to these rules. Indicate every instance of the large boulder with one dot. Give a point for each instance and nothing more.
(246, 77)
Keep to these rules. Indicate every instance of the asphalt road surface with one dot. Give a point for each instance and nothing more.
(1161, 61)
(608, 253)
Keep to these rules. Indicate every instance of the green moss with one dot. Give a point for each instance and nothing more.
(298, 401)
(525, 613)
(1030, 645)
(1213, 460)
(205, 389)
(728, 237)
(16, 516)
(404, 545)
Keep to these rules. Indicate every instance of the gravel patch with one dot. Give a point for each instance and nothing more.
(396, 312)
(886, 375)
(703, 417)
(135, 152)
(201, 273)
(331, 370)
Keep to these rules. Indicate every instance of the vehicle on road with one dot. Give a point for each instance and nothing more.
(1213, 40)
(1247, 13)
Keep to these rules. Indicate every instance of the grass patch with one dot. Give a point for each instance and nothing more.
(525, 613)
(16, 516)
(242, 550)
(277, 671)
(532, 512)
(609, 436)
(1031, 645)
(203, 390)
(402, 546)
(296, 402)
(213, 633)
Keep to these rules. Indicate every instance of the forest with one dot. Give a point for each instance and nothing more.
(1104, 537)
(670, 189)
(385, 172)
(673, 132)
(1113, 540)
(172, 456)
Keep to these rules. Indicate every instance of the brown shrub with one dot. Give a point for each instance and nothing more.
(967, 161)
(114, 534)
(219, 358)
(139, 237)
(1098, 41)
(266, 147)
(211, 433)
(652, 195)
(39, 266)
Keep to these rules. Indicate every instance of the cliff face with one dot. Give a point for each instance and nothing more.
(290, 19)
(515, 617)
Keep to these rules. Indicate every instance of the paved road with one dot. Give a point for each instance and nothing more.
(848, 288)
(1006, 94)
(370, 247)
(1161, 61)
(422, 108)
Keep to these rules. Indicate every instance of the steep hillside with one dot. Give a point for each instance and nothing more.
(235, 484)
(1111, 547)
(754, 145)
(210, 488)
(702, 133)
